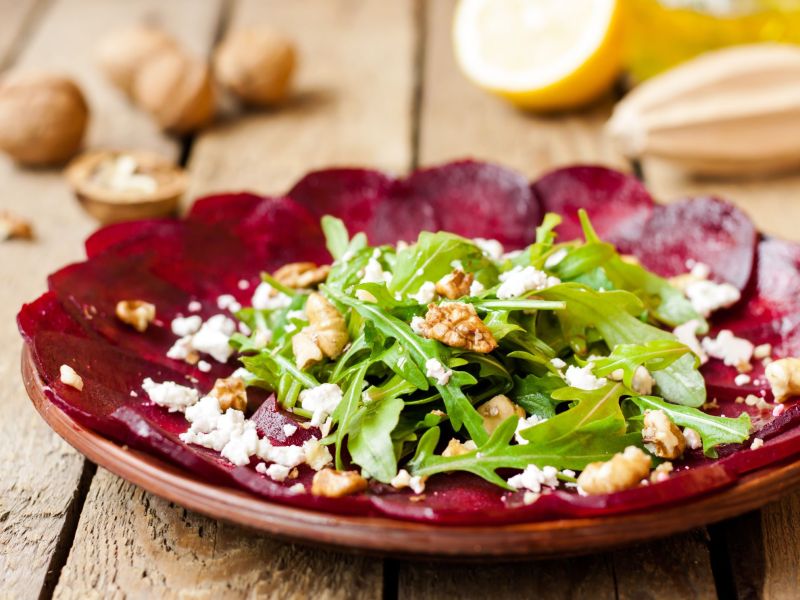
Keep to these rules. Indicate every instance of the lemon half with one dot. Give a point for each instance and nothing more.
(540, 54)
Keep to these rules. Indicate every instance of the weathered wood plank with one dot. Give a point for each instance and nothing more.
(457, 120)
(12, 26)
(352, 104)
(40, 474)
(129, 540)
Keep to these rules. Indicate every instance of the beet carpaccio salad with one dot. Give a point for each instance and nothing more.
(449, 347)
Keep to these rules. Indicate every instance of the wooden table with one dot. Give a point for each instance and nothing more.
(377, 86)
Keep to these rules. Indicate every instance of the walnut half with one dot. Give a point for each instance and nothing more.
(457, 325)
(136, 313)
(335, 484)
(231, 393)
(455, 285)
(624, 471)
(661, 436)
(301, 275)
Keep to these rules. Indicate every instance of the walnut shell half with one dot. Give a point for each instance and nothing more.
(116, 186)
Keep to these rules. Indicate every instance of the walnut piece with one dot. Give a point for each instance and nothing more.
(457, 447)
(455, 285)
(497, 410)
(661, 436)
(457, 325)
(306, 351)
(784, 378)
(301, 275)
(335, 484)
(14, 228)
(624, 471)
(329, 330)
(231, 393)
(136, 313)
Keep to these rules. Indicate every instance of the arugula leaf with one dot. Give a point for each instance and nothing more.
(345, 411)
(534, 394)
(713, 430)
(370, 443)
(337, 239)
(680, 382)
(655, 355)
(430, 259)
(584, 259)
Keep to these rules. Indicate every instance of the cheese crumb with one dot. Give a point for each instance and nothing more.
(731, 350)
(194, 306)
(70, 377)
(476, 288)
(521, 280)
(526, 423)
(426, 293)
(707, 296)
(174, 397)
(228, 302)
(687, 335)
(491, 248)
(276, 472)
(437, 371)
(533, 478)
(582, 378)
(183, 326)
(757, 443)
(741, 379)
(762, 351)
(693, 439)
(642, 382)
(417, 325)
(404, 479)
(317, 455)
(267, 297)
(289, 429)
(558, 363)
(214, 336)
(321, 400)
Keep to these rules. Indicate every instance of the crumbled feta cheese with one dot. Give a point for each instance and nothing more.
(214, 336)
(288, 456)
(317, 455)
(491, 248)
(693, 439)
(582, 378)
(404, 479)
(555, 258)
(699, 270)
(262, 338)
(228, 302)
(476, 288)
(176, 398)
(757, 443)
(426, 293)
(321, 401)
(416, 325)
(181, 349)
(204, 366)
(558, 363)
(374, 273)
(242, 444)
(183, 326)
(437, 371)
(524, 424)
(762, 351)
(521, 280)
(642, 382)
(243, 284)
(267, 297)
(203, 415)
(731, 350)
(687, 335)
(227, 425)
(243, 374)
(297, 488)
(533, 478)
(741, 379)
(194, 306)
(277, 472)
(707, 296)
(70, 377)
(289, 429)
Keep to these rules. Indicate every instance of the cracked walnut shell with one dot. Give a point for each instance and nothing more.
(457, 325)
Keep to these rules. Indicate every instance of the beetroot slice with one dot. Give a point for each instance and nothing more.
(473, 199)
(706, 230)
(617, 203)
(349, 194)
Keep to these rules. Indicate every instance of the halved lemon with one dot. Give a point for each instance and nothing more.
(540, 54)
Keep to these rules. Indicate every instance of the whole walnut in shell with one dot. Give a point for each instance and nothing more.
(177, 90)
(42, 118)
(256, 64)
(122, 53)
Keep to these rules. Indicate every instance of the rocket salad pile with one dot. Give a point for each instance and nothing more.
(448, 355)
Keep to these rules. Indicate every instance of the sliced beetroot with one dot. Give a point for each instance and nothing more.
(474, 199)
(112, 235)
(617, 203)
(349, 194)
(705, 230)
(270, 422)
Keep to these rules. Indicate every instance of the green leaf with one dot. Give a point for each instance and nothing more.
(713, 430)
(534, 394)
(607, 312)
(336, 237)
(584, 259)
(370, 441)
(655, 355)
(345, 412)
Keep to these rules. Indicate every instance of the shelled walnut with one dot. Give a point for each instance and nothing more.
(118, 186)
